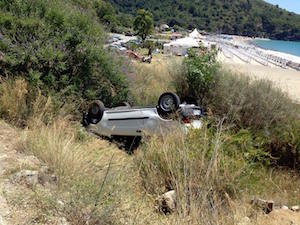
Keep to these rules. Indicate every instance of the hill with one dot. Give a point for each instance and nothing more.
(241, 17)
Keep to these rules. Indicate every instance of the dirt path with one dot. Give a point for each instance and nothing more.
(12, 195)
(7, 155)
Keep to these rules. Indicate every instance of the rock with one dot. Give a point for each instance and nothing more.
(62, 221)
(167, 202)
(295, 208)
(30, 177)
(244, 221)
(267, 206)
(284, 207)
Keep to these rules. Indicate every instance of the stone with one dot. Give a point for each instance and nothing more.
(284, 207)
(295, 208)
(167, 202)
(266, 205)
(30, 177)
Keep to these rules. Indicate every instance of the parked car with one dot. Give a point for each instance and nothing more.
(134, 121)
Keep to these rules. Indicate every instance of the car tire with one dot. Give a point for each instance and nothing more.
(168, 102)
(96, 111)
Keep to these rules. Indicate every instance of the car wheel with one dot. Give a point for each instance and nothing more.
(168, 102)
(96, 111)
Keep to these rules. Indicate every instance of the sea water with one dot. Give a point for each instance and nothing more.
(290, 47)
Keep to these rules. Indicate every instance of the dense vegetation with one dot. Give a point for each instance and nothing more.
(243, 17)
(57, 46)
(259, 113)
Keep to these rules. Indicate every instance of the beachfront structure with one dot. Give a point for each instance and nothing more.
(195, 34)
(180, 46)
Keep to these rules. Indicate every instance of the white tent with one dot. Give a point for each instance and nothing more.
(180, 46)
(195, 34)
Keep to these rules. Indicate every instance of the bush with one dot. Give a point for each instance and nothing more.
(199, 74)
(246, 103)
(58, 47)
(258, 106)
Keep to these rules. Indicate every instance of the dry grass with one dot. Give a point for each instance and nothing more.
(86, 169)
(197, 168)
(20, 106)
(13, 100)
(213, 177)
(151, 80)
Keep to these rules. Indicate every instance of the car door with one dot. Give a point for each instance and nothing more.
(126, 122)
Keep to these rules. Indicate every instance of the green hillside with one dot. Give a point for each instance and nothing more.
(243, 17)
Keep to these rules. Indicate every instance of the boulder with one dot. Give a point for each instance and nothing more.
(266, 205)
(167, 202)
(295, 208)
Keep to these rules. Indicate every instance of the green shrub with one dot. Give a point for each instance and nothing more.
(199, 74)
(265, 110)
(58, 47)
(246, 103)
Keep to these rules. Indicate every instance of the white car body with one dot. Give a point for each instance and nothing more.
(124, 121)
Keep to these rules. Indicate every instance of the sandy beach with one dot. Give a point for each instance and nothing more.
(287, 79)
(243, 60)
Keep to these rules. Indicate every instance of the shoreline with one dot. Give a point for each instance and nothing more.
(247, 51)
(290, 56)
(246, 59)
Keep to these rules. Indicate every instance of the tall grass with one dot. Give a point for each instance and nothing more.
(13, 100)
(81, 168)
(150, 81)
(22, 106)
(199, 167)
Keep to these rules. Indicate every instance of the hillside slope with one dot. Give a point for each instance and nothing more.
(243, 17)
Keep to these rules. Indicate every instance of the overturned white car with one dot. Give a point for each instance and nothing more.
(134, 121)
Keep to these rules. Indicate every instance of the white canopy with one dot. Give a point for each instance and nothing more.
(180, 46)
(195, 34)
(185, 42)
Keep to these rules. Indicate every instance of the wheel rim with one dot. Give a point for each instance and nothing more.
(167, 103)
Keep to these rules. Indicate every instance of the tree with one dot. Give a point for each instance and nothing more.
(143, 23)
